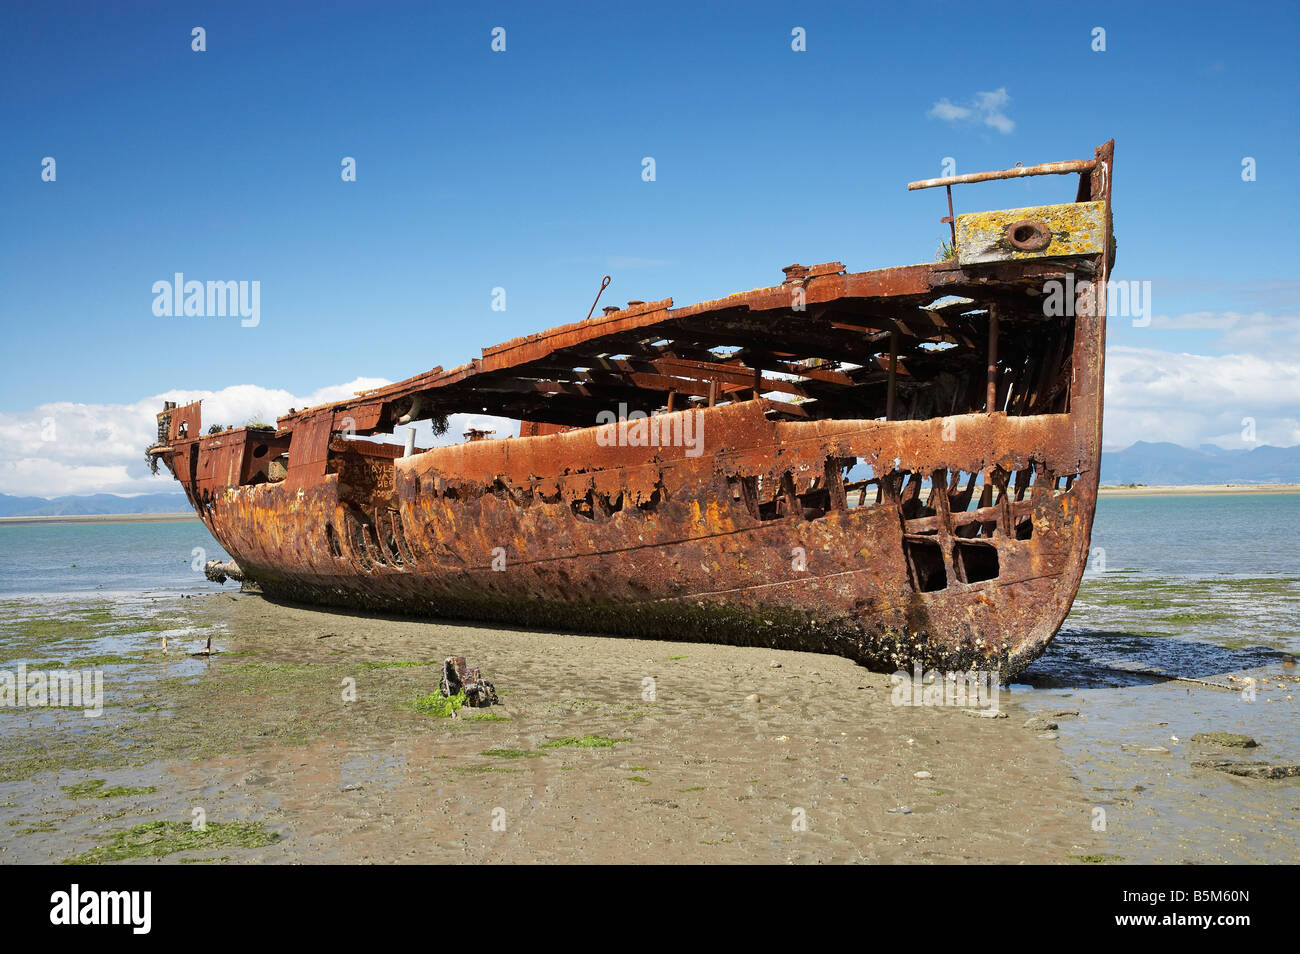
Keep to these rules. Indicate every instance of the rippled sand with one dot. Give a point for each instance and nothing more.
(261, 733)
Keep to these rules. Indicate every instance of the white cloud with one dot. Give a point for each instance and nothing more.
(63, 448)
(987, 108)
(1260, 332)
(1192, 399)
(949, 111)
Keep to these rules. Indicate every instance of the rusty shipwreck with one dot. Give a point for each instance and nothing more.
(899, 466)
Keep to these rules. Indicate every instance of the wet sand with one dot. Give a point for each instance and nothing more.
(260, 739)
(260, 734)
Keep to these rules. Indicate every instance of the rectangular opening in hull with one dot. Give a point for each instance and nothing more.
(925, 565)
(975, 562)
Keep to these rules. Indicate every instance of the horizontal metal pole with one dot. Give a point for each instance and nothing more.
(1046, 169)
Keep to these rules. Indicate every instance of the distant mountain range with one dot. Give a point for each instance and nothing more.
(1143, 463)
(95, 503)
(1164, 463)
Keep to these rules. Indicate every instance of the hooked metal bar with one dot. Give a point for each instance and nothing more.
(1045, 169)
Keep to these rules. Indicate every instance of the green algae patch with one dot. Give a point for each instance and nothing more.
(1096, 859)
(157, 839)
(403, 664)
(1194, 617)
(485, 717)
(110, 659)
(436, 704)
(583, 742)
(272, 672)
(638, 779)
(512, 754)
(95, 788)
(485, 769)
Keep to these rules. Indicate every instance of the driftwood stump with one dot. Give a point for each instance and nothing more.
(458, 676)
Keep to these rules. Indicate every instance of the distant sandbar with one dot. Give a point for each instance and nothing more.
(104, 518)
(1190, 490)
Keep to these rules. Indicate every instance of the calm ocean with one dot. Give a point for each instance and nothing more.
(1219, 570)
(104, 560)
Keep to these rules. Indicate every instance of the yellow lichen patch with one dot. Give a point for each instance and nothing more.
(697, 516)
(1077, 228)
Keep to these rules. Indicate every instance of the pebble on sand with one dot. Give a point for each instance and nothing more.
(1041, 725)
(922, 775)
(753, 697)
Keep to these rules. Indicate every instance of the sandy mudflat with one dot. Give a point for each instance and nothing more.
(1192, 490)
(697, 774)
(105, 518)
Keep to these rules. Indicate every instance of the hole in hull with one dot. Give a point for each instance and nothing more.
(925, 565)
(975, 562)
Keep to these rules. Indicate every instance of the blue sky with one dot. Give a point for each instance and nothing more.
(522, 170)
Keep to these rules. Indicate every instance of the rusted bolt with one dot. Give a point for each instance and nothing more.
(1029, 235)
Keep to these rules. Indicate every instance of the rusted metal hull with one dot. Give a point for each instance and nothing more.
(952, 542)
(695, 563)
